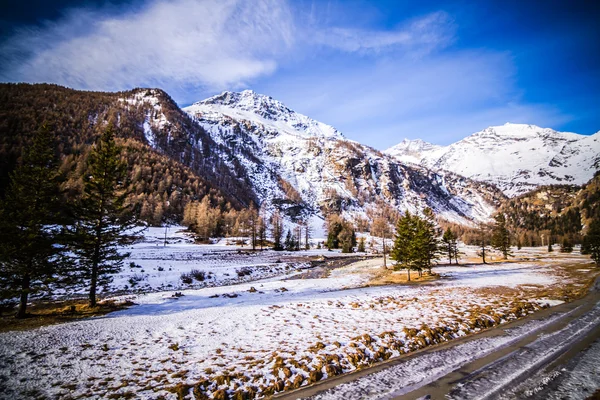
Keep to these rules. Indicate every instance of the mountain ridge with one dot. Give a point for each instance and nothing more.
(326, 170)
(515, 157)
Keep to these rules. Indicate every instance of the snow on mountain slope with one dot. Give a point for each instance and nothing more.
(515, 157)
(305, 166)
(270, 113)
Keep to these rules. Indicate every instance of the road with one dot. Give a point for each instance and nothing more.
(551, 354)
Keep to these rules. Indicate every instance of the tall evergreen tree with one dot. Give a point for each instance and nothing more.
(29, 245)
(412, 245)
(449, 244)
(431, 238)
(104, 221)
(277, 231)
(347, 239)
(591, 241)
(290, 243)
(334, 227)
(501, 237)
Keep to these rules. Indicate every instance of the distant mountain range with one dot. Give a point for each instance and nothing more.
(245, 147)
(515, 157)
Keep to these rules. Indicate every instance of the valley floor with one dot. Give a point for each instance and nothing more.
(275, 326)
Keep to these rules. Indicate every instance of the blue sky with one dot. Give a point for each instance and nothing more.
(377, 71)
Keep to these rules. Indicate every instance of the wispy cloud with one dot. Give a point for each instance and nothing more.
(182, 43)
(376, 84)
(441, 97)
(435, 30)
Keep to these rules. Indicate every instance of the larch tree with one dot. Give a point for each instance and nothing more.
(361, 245)
(104, 222)
(30, 250)
(381, 228)
(253, 224)
(483, 241)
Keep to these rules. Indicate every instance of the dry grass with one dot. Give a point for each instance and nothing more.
(51, 313)
(389, 277)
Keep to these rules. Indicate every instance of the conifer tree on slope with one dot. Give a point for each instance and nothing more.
(591, 241)
(501, 237)
(30, 252)
(104, 221)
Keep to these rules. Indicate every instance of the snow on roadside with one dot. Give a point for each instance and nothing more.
(426, 368)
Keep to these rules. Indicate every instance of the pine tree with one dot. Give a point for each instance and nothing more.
(334, 227)
(501, 237)
(409, 248)
(104, 221)
(289, 241)
(347, 239)
(277, 231)
(431, 238)
(449, 242)
(262, 231)
(29, 247)
(591, 241)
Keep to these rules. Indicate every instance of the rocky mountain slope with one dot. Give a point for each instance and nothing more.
(171, 158)
(515, 157)
(307, 167)
(554, 211)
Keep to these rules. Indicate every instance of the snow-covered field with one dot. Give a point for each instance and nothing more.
(255, 338)
(153, 266)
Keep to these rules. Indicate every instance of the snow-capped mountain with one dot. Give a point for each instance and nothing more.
(270, 113)
(515, 157)
(306, 166)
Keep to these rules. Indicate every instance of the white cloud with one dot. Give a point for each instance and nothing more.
(212, 44)
(441, 97)
(423, 34)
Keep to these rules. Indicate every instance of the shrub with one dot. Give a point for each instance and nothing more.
(245, 271)
(186, 278)
(135, 279)
(198, 275)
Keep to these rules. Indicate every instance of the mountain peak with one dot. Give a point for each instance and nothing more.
(515, 157)
(259, 108)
